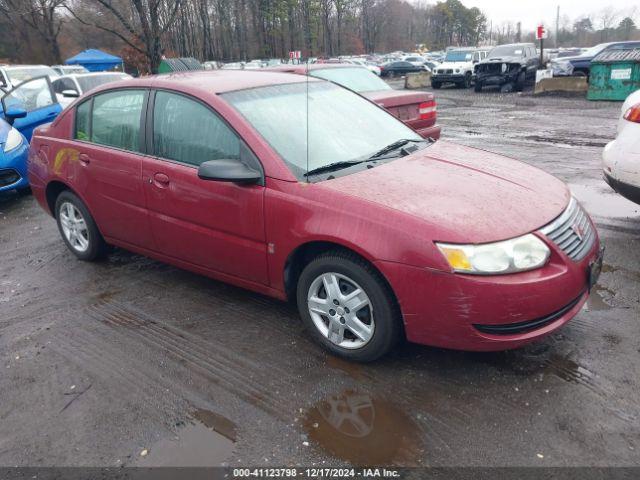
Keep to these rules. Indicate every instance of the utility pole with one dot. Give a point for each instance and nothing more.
(558, 27)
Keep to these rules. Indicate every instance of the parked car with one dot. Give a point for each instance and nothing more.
(621, 157)
(416, 60)
(508, 66)
(69, 69)
(415, 108)
(399, 68)
(25, 107)
(13, 75)
(372, 67)
(457, 67)
(580, 65)
(297, 188)
(70, 87)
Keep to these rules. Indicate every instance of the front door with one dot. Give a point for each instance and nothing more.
(37, 98)
(211, 224)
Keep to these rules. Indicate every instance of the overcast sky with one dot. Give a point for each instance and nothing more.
(531, 12)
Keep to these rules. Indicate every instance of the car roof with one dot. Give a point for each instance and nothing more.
(209, 81)
(25, 66)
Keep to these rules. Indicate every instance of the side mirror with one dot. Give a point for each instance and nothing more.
(228, 170)
(14, 112)
(70, 94)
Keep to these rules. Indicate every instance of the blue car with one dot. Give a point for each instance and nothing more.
(580, 65)
(27, 106)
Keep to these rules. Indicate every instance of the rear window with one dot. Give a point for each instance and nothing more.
(356, 79)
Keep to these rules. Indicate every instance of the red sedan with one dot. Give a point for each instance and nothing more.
(303, 190)
(416, 109)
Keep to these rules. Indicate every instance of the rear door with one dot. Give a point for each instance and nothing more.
(215, 225)
(37, 98)
(109, 145)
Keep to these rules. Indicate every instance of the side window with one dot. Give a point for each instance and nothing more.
(82, 120)
(186, 131)
(115, 119)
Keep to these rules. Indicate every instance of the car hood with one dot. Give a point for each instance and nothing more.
(572, 59)
(503, 59)
(395, 98)
(455, 65)
(464, 195)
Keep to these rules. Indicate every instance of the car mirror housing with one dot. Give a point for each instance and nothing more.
(229, 170)
(14, 112)
(70, 94)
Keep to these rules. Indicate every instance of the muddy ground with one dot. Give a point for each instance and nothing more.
(102, 362)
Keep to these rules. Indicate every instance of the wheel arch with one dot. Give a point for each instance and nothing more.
(306, 252)
(53, 191)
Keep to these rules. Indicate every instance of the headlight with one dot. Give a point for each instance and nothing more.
(14, 140)
(515, 255)
(457, 70)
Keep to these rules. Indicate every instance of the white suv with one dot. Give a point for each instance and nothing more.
(457, 67)
(621, 158)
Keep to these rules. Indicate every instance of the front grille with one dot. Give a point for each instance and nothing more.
(572, 231)
(529, 325)
(8, 177)
(445, 71)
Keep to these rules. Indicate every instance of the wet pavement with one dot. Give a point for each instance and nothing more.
(133, 362)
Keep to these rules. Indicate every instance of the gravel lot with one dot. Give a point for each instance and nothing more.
(100, 362)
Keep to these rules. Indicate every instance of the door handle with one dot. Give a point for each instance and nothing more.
(161, 178)
(84, 159)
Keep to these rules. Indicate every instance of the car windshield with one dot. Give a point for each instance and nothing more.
(593, 51)
(342, 126)
(92, 81)
(19, 75)
(356, 79)
(459, 56)
(507, 51)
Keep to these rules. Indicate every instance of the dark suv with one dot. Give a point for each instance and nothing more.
(580, 65)
(508, 66)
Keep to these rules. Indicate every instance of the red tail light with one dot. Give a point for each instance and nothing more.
(427, 110)
(633, 114)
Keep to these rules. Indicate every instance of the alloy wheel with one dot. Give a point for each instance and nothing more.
(341, 310)
(74, 227)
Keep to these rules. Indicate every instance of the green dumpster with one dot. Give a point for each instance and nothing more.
(169, 65)
(614, 74)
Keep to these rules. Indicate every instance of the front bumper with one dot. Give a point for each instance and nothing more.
(445, 78)
(469, 312)
(13, 169)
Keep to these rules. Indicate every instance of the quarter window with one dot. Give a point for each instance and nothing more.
(186, 131)
(82, 121)
(115, 119)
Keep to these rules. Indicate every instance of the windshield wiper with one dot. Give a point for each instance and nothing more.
(379, 155)
(395, 145)
(333, 166)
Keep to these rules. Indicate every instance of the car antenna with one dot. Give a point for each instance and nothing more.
(307, 112)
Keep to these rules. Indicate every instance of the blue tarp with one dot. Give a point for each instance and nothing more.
(94, 60)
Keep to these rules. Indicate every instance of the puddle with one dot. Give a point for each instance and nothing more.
(205, 441)
(596, 301)
(602, 201)
(363, 430)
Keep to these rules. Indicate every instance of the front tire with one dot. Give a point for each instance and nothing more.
(436, 85)
(347, 307)
(477, 87)
(78, 229)
(467, 80)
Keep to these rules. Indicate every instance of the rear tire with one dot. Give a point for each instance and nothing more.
(335, 281)
(78, 228)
